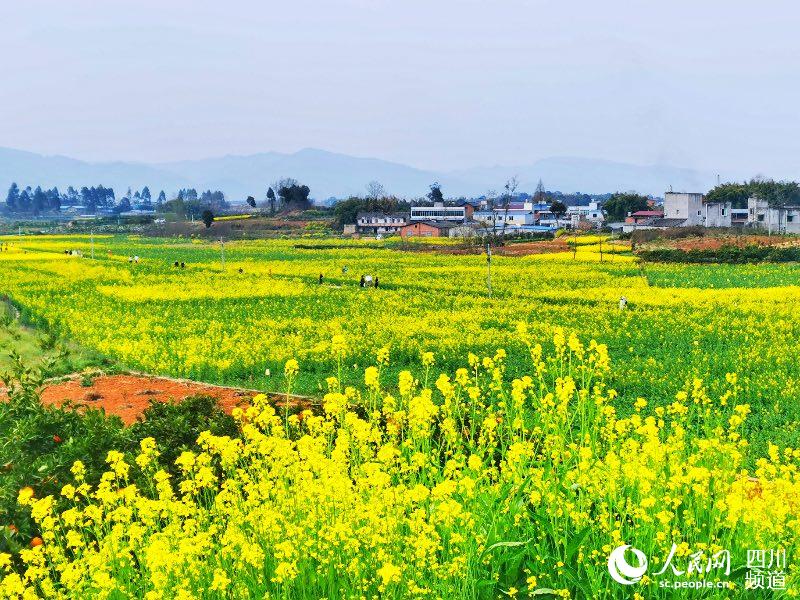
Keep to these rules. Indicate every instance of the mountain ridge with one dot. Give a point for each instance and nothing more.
(340, 175)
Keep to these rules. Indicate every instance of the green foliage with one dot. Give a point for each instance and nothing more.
(735, 193)
(346, 211)
(435, 195)
(776, 193)
(620, 204)
(175, 426)
(558, 208)
(38, 445)
(294, 196)
(207, 217)
(726, 254)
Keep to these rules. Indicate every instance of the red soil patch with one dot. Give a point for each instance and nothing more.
(127, 396)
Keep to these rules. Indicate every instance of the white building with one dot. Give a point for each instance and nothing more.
(440, 212)
(773, 219)
(692, 209)
(717, 214)
(380, 223)
(519, 217)
(683, 205)
(592, 213)
(510, 218)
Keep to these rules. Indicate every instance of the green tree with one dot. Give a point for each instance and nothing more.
(558, 208)
(735, 193)
(207, 218)
(347, 211)
(435, 195)
(620, 204)
(12, 199)
(294, 196)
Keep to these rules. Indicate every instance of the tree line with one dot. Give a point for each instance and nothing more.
(38, 201)
(776, 193)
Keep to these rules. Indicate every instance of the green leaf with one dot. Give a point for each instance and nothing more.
(575, 543)
(504, 545)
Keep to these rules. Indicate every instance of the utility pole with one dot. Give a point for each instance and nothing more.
(92, 238)
(222, 251)
(489, 268)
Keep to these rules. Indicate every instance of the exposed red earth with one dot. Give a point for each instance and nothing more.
(127, 396)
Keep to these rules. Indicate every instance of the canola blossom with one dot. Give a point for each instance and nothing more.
(235, 325)
(467, 484)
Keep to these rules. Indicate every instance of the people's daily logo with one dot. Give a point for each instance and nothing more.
(625, 572)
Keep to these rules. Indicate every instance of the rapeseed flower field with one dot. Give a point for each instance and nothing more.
(467, 445)
(234, 325)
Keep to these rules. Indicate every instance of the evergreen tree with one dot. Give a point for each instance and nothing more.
(39, 201)
(12, 199)
(435, 195)
(24, 203)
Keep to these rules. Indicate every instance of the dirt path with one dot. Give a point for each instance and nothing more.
(127, 396)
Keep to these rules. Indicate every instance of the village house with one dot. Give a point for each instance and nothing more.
(739, 217)
(773, 219)
(694, 210)
(519, 217)
(591, 215)
(681, 209)
(437, 229)
(378, 223)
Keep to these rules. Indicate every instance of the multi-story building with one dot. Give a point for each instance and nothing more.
(376, 223)
(592, 214)
(692, 209)
(774, 219)
(440, 212)
(683, 205)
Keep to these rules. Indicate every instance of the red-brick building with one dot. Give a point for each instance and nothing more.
(427, 229)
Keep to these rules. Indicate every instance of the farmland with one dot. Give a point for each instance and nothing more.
(497, 443)
(222, 326)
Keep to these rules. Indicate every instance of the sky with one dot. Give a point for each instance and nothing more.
(436, 84)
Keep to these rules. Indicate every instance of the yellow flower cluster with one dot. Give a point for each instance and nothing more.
(477, 485)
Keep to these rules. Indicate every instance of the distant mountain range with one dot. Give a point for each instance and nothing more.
(330, 174)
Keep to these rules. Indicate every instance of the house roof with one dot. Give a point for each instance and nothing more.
(648, 213)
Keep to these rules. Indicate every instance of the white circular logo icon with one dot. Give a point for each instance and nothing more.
(621, 570)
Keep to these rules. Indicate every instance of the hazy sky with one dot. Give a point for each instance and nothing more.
(709, 84)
